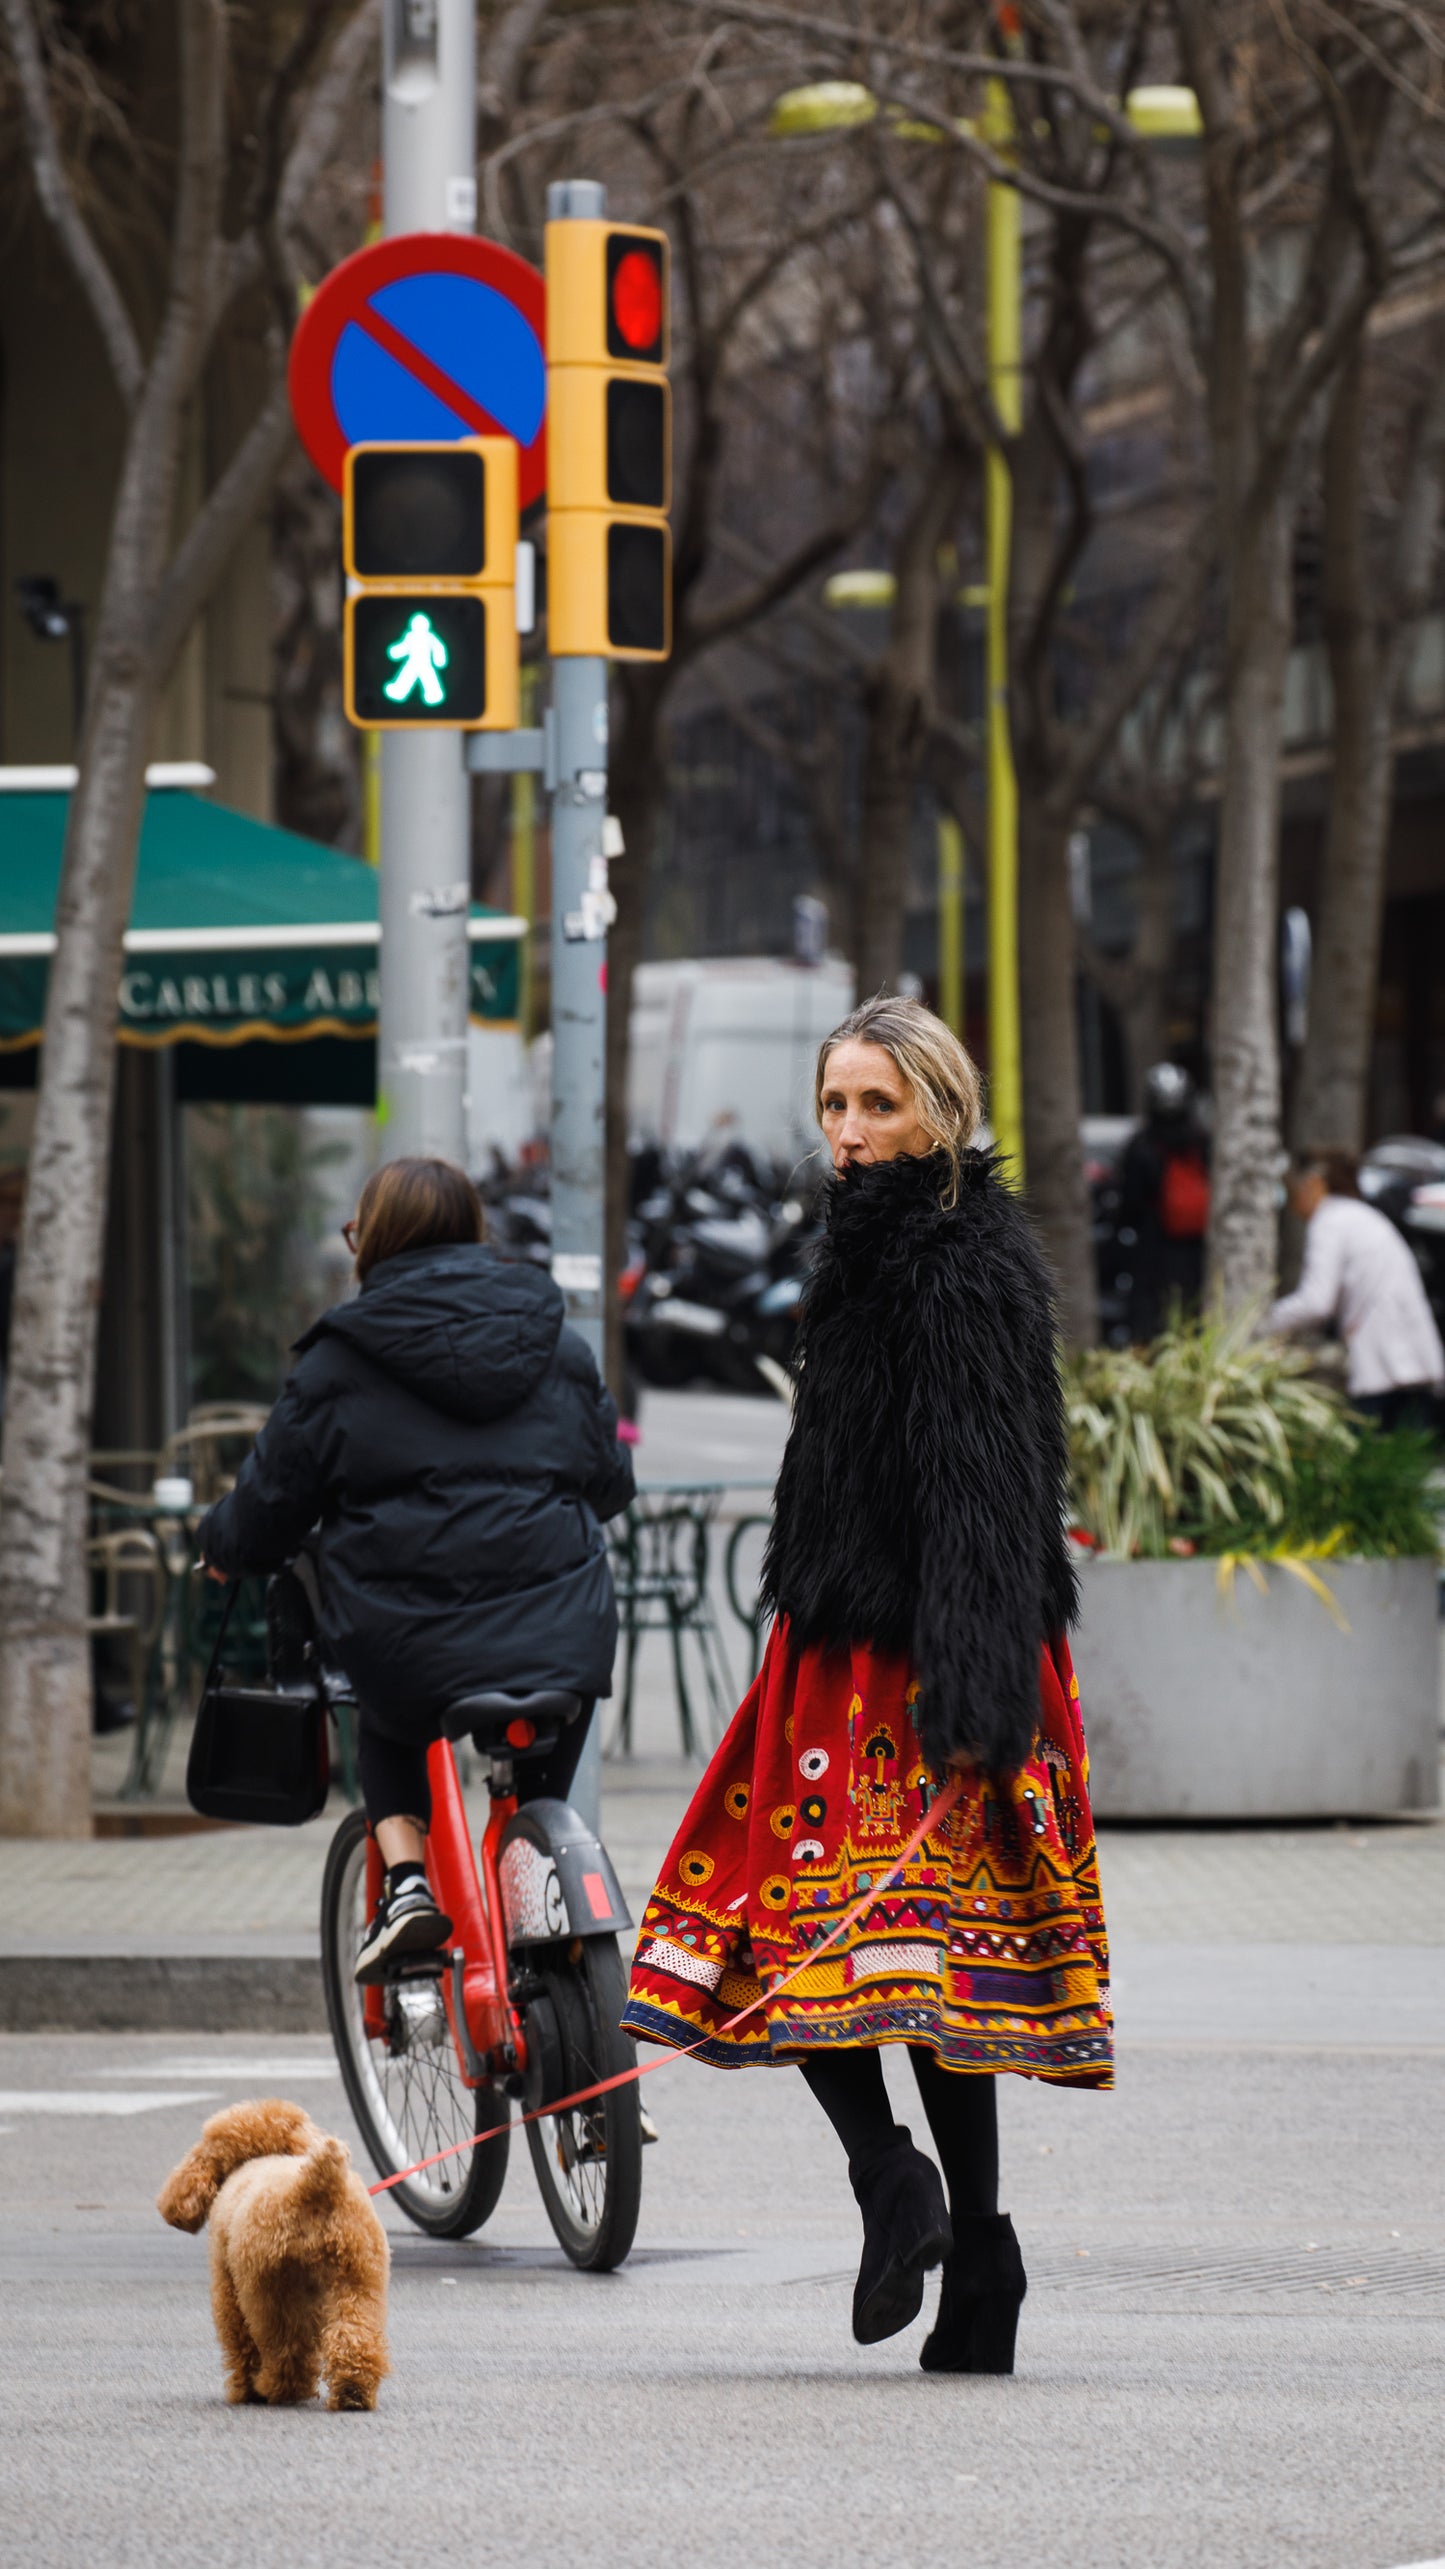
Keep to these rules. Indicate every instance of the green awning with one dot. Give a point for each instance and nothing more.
(240, 933)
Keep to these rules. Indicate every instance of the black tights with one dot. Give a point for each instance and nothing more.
(393, 1772)
(961, 2106)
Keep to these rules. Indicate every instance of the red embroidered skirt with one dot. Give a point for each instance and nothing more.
(990, 1946)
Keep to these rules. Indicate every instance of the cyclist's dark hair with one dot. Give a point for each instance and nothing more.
(415, 1204)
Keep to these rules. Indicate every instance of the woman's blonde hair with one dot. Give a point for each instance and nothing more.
(944, 1079)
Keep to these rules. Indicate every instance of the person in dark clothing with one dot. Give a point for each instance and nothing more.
(1164, 1201)
(455, 1450)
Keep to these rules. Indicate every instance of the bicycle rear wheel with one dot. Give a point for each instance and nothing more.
(588, 2160)
(405, 2087)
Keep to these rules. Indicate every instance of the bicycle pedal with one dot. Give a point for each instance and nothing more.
(650, 2131)
(414, 1967)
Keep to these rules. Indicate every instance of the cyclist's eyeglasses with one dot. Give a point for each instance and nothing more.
(348, 1233)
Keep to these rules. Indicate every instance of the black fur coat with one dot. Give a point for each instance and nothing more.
(921, 1501)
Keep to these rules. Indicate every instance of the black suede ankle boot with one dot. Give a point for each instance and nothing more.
(983, 2289)
(905, 2231)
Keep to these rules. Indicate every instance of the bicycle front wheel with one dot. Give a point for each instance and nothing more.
(405, 2085)
(588, 2160)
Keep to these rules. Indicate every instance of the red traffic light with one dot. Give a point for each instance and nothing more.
(636, 298)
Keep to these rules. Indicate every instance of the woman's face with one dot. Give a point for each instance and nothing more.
(868, 1109)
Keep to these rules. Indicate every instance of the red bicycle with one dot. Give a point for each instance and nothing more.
(524, 2003)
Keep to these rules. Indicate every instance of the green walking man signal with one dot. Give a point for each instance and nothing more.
(422, 654)
(430, 546)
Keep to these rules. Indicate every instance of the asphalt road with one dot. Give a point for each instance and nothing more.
(1232, 2356)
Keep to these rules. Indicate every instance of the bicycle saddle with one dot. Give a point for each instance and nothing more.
(494, 1717)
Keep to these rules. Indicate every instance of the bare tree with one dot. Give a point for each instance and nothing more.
(1327, 109)
(161, 567)
(1370, 615)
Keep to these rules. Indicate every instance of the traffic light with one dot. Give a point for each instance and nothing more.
(429, 536)
(609, 442)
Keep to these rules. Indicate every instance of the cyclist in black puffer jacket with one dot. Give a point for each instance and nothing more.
(452, 1446)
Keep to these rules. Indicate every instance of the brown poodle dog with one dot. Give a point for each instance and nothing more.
(298, 2257)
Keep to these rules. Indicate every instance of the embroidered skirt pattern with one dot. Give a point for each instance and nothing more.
(990, 1946)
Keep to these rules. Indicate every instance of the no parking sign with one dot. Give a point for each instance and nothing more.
(433, 335)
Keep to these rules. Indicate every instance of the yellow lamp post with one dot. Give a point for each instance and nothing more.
(1163, 116)
(1004, 316)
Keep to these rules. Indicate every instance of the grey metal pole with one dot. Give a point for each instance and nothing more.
(428, 146)
(581, 911)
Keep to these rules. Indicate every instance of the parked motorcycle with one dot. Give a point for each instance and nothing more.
(717, 1277)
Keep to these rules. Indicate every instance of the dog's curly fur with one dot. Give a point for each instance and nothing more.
(298, 2257)
(921, 1503)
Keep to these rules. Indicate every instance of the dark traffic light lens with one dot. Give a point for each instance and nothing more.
(419, 658)
(419, 517)
(635, 298)
(636, 443)
(637, 588)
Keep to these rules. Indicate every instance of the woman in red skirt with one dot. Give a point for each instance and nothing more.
(920, 1576)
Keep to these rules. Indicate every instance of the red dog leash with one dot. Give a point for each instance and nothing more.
(939, 1810)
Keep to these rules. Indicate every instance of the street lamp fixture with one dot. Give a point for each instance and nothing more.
(860, 589)
(52, 618)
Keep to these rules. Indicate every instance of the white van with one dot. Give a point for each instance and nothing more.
(726, 1047)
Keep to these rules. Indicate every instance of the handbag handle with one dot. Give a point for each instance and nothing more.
(232, 1593)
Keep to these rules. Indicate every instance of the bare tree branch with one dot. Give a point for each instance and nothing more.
(777, 583)
(186, 326)
(1174, 608)
(504, 61)
(91, 270)
(218, 525)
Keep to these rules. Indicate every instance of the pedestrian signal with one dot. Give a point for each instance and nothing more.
(417, 657)
(429, 538)
(609, 441)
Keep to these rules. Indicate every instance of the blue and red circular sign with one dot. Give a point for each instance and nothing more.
(432, 335)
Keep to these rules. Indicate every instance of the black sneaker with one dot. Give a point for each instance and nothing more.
(407, 1921)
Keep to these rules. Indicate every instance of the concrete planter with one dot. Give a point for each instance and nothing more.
(1199, 1705)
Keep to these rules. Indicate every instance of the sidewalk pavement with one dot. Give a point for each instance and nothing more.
(1309, 1934)
(1278, 1935)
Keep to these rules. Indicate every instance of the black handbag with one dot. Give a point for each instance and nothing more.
(257, 1754)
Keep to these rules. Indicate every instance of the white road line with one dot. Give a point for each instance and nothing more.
(74, 2100)
(228, 2070)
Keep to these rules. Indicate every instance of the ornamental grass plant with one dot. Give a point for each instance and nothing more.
(1218, 1440)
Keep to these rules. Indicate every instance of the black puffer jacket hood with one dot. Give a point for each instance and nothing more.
(465, 1333)
(445, 1444)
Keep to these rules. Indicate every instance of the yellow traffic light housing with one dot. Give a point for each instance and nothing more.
(429, 539)
(609, 441)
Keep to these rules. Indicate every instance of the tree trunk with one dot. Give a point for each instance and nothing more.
(893, 744)
(1053, 1095)
(1145, 1010)
(45, 1679)
(1136, 985)
(1369, 638)
(1329, 1100)
(1244, 1028)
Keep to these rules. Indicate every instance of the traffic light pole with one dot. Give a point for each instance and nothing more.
(428, 141)
(581, 910)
